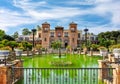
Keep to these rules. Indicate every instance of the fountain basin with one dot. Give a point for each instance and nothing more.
(4, 53)
(18, 52)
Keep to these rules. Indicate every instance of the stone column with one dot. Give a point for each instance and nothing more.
(116, 75)
(27, 52)
(18, 73)
(91, 52)
(113, 59)
(85, 51)
(102, 73)
(33, 52)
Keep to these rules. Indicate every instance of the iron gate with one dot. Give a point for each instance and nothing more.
(59, 75)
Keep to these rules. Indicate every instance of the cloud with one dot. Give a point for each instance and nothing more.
(9, 18)
(53, 12)
(34, 12)
(107, 8)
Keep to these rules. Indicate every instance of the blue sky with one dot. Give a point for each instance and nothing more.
(96, 15)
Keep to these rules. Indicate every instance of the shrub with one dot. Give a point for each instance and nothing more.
(5, 48)
(114, 46)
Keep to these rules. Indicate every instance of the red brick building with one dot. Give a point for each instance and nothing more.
(69, 36)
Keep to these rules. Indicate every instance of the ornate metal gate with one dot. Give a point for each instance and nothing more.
(59, 75)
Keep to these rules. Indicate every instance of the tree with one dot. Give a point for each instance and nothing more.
(108, 38)
(57, 45)
(26, 45)
(113, 35)
(26, 31)
(95, 47)
(12, 44)
(4, 42)
(9, 38)
(2, 33)
(15, 35)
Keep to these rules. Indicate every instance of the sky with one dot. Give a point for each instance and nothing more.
(96, 15)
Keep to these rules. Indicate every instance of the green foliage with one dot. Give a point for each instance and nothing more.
(26, 45)
(114, 46)
(106, 43)
(15, 35)
(1, 45)
(26, 31)
(12, 44)
(4, 42)
(68, 48)
(2, 33)
(102, 48)
(8, 37)
(43, 49)
(95, 46)
(106, 37)
(56, 45)
(38, 46)
(5, 48)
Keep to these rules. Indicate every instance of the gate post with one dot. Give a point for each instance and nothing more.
(5, 74)
(102, 73)
(110, 57)
(91, 52)
(27, 51)
(18, 72)
(116, 75)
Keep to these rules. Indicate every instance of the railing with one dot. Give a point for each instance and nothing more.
(60, 75)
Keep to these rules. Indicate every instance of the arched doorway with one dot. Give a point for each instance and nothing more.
(66, 43)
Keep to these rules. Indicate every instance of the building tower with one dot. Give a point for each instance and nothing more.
(45, 35)
(59, 34)
(73, 35)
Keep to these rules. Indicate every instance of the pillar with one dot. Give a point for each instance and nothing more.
(27, 52)
(91, 52)
(5, 74)
(116, 75)
(110, 57)
(102, 73)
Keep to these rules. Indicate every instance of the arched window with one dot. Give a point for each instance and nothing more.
(73, 39)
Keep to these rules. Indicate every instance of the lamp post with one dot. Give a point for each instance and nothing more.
(86, 30)
(33, 31)
(85, 49)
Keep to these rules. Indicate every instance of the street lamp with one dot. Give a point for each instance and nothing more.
(33, 31)
(86, 30)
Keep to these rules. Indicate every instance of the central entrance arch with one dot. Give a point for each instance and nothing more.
(66, 43)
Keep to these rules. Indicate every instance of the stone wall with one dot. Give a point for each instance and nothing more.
(113, 63)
